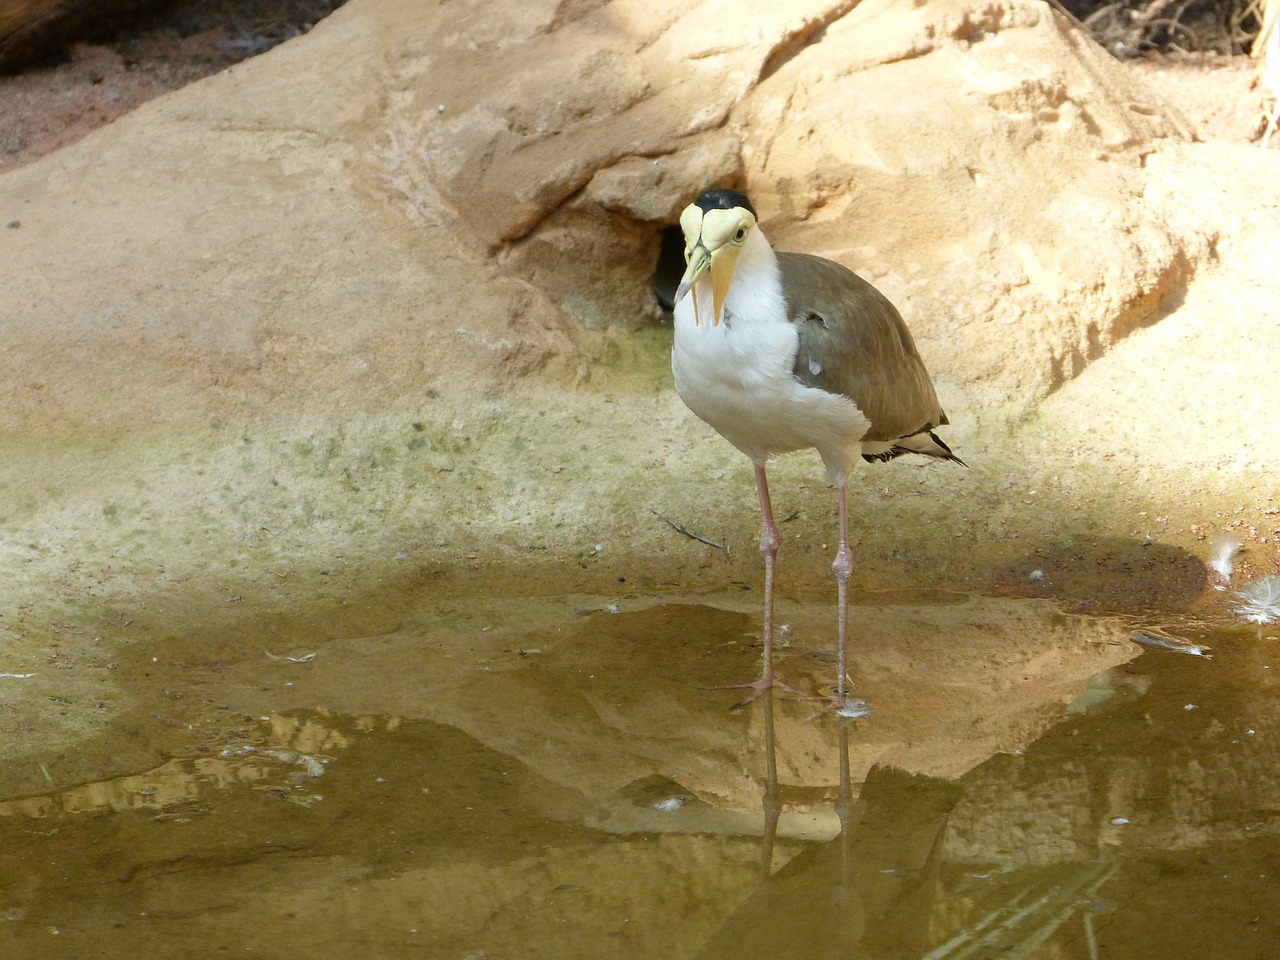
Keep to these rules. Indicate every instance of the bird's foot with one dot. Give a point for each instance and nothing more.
(758, 689)
(842, 706)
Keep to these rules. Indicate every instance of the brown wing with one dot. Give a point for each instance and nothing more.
(854, 342)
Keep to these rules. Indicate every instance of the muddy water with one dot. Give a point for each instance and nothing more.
(553, 779)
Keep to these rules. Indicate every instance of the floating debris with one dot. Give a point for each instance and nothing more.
(305, 658)
(851, 709)
(1222, 558)
(312, 766)
(15, 676)
(1259, 601)
(301, 800)
(1163, 641)
(671, 803)
(1119, 821)
(613, 607)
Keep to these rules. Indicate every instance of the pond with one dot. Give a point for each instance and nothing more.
(559, 777)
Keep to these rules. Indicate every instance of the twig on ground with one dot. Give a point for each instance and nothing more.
(690, 533)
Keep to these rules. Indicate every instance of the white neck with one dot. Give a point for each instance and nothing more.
(755, 295)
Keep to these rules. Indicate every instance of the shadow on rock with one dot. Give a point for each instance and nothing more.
(1111, 574)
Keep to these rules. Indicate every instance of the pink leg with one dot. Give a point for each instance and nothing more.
(769, 547)
(842, 567)
(844, 705)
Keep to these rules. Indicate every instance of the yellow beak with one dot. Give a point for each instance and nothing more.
(721, 265)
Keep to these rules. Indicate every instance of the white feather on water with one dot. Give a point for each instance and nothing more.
(1223, 554)
(1164, 641)
(1259, 601)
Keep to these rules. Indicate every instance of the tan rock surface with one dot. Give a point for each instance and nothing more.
(983, 166)
(273, 247)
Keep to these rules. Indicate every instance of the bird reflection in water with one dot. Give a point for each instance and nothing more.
(883, 888)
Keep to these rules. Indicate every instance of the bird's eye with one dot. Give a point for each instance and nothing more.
(740, 235)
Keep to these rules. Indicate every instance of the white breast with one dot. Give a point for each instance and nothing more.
(737, 375)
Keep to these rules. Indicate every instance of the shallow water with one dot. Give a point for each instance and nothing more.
(553, 779)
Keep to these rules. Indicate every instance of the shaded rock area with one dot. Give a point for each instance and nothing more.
(85, 75)
(30, 29)
(365, 322)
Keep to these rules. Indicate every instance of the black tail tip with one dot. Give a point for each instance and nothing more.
(948, 455)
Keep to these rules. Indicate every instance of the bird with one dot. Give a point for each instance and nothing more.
(781, 352)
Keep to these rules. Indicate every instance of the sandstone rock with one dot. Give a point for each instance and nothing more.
(253, 259)
(641, 187)
(982, 164)
(985, 167)
(537, 99)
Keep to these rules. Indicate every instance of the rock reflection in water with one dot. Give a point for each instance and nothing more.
(1131, 826)
(298, 745)
(1146, 828)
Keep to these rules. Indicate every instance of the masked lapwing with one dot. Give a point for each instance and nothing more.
(786, 351)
